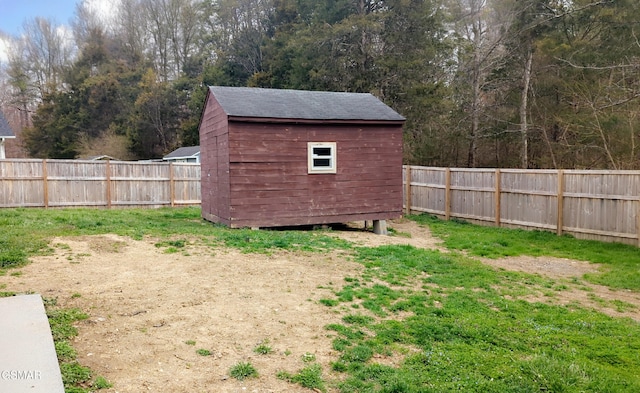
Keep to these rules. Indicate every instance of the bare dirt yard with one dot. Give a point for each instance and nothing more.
(147, 308)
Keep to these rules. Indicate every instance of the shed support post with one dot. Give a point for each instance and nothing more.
(380, 227)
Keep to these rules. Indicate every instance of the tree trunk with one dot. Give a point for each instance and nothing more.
(475, 116)
(524, 126)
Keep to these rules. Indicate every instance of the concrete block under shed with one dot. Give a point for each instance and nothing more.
(28, 361)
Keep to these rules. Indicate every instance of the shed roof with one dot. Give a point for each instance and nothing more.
(5, 129)
(183, 152)
(253, 102)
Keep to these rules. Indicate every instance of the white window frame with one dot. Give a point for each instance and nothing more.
(332, 156)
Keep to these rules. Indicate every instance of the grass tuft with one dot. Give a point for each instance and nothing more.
(309, 377)
(263, 348)
(101, 383)
(243, 370)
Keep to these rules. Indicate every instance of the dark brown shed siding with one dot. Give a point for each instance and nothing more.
(214, 144)
(270, 186)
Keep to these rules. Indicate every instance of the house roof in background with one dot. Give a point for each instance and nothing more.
(101, 157)
(5, 129)
(300, 104)
(183, 152)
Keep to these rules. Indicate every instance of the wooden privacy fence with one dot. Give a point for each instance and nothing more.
(600, 205)
(74, 183)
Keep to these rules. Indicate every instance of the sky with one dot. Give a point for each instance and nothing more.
(14, 12)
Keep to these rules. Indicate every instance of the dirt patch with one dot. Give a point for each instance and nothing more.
(145, 305)
(547, 266)
(402, 231)
(571, 289)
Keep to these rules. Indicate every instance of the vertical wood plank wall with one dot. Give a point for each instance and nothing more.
(67, 183)
(598, 205)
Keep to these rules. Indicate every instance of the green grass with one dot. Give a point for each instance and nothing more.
(413, 320)
(26, 232)
(621, 263)
(266, 241)
(75, 377)
(172, 246)
(460, 333)
(309, 377)
(308, 357)
(101, 383)
(263, 348)
(243, 370)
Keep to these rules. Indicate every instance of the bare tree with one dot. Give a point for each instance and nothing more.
(239, 28)
(183, 18)
(155, 12)
(172, 27)
(131, 30)
(47, 50)
(481, 29)
(85, 21)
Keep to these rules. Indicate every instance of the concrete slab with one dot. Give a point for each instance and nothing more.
(28, 361)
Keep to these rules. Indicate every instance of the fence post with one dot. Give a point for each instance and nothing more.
(560, 220)
(172, 185)
(407, 191)
(447, 194)
(108, 181)
(498, 188)
(45, 184)
(638, 221)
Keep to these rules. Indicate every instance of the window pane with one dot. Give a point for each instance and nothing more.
(322, 162)
(322, 151)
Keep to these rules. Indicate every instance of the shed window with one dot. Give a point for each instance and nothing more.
(322, 157)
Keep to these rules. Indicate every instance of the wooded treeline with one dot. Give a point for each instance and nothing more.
(499, 83)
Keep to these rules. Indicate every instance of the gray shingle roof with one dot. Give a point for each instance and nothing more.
(303, 105)
(181, 152)
(5, 129)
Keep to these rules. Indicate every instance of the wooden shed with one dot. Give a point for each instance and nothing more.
(274, 157)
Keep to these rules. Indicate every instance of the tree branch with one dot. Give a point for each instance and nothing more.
(612, 67)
